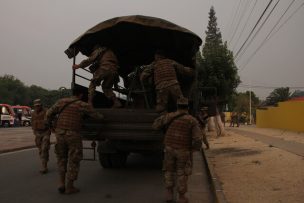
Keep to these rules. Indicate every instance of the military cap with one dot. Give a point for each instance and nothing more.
(182, 101)
(37, 102)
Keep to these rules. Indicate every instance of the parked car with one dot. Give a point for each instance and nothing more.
(24, 114)
(7, 115)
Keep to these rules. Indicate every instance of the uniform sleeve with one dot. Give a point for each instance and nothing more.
(196, 135)
(90, 59)
(89, 111)
(51, 112)
(159, 123)
(147, 72)
(182, 70)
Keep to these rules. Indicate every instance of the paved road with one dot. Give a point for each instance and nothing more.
(141, 181)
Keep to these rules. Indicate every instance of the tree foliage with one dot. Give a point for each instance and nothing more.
(14, 92)
(278, 95)
(216, 64)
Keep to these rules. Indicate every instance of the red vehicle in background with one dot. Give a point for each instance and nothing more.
(7, 115)
(24, 114)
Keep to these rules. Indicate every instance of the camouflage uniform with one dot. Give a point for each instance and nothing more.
(183, 135)
(68, 147)
(165, 80)
(106, 72)
(42, 134)
(202, 118)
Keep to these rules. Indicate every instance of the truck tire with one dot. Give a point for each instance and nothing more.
(113, 160)
(105, 160)
(118, 160)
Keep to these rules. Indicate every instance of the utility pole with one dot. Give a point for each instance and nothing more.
(250, 105)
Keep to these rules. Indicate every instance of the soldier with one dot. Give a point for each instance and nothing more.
(202, 118)
(67, 114)
(42, 134)
(183, 135)
(165, 79)
(106, 64)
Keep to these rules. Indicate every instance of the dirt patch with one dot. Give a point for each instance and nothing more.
(251, 171)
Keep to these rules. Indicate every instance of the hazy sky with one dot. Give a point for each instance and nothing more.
(35, 33)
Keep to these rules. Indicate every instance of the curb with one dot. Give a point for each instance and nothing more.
(16, 149)
(214, 180)
(20, 148)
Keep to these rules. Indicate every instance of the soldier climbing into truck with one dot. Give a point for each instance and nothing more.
(135, 40)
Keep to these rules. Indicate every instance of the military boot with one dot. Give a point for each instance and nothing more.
(61, 188)
(169, 195)
(44, 168)
(70, 189)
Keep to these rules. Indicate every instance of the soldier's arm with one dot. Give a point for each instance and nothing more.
(196, 135)
(51, 112)
(147, 72)
(89, 60)
(182, 70)
(89, 111)
(160, 122)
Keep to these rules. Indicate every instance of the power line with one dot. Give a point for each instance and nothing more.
(268, 37)
(235, 14)
(251, 40)
(253, 29)
(239, 21)
(288, 18)
(245, 25)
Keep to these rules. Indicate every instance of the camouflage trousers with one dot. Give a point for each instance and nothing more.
(177, 167)
(165, 94)
(68, 150)
(109, 78)
(204, 136)
(42, 141)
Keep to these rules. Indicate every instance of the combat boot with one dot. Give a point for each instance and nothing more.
(70, 189)
(169, 195)
(44, 168)
(61, 188)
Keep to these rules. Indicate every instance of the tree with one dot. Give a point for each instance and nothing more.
(278, 95)
(217, 67)
(14, 92)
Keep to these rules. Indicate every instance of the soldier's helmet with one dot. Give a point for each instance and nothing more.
(182, 101)
(37, 102)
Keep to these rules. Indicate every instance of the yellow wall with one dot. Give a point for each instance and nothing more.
(288, 115)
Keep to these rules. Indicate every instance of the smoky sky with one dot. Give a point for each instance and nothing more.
(35, 33)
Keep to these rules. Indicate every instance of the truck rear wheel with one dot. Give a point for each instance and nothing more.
(104, 160)
(113, 160)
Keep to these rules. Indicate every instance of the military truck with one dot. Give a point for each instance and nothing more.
(134, 39)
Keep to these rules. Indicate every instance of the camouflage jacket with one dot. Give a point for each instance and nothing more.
(71, 117)
(108, 59)
(162, 68)
(183, 131)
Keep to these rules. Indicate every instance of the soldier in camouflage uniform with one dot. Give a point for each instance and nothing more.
(68, 148)
(183, 135)
(202, 118)
(106, 71)
(42, 134)
(165, 79)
